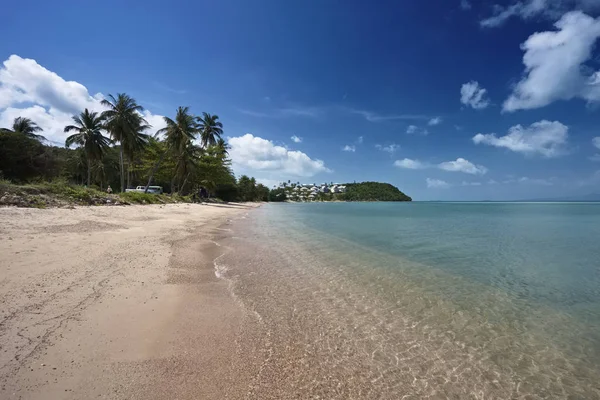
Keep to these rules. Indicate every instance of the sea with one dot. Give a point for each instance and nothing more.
(420, 300)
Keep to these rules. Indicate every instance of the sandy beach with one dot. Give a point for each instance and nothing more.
(118, 302)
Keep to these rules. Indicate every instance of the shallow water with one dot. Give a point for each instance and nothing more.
(422, 300)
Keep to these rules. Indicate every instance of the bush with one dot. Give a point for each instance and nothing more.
(277, 195)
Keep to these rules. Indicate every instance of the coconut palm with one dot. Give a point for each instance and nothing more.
(133, 147)
(88, 127)
(25, 126)
(179, 134)
(125, 123)
(222, 148)
(210, 129)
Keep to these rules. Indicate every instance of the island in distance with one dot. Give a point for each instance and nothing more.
(363, 191)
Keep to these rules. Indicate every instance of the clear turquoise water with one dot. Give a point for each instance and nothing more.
(457, 300)
(540, 252)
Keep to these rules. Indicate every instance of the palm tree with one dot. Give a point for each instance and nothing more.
(125, 123)
(25, 126)
(138, 142)
(179, 134)
(88, 127)
(210, 129)
(222, 148)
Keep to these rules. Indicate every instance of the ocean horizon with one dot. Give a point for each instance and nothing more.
(423, 299)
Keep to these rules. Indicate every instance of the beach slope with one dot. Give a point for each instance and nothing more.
(117, 302)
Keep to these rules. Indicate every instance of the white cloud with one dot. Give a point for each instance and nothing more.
(465, 5)
(595, 158)
(437, 183)
(410, 164)
(375, 117)
(349, 148)
(360, 140)
(473, 95)
(390, 148)
(459, 165)
(554, 65)
(415, 130)
(465, 183)
(544, 137)
(286, 112)
(535, 181)
(258, 154)
(435, 121)
(529, 9)
(27, 89)
(296, 139)
(156, 121)
(270, 183)
(462, 165)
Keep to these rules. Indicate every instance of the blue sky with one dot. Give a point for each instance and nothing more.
(428, 96)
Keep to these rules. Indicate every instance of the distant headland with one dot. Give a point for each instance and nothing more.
(363, 191)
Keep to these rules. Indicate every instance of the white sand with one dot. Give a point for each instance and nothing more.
(116, 302)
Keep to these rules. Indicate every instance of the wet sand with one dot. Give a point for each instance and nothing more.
(120, 303)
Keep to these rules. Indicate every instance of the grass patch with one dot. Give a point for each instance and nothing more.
(61, 193)
(42, 194)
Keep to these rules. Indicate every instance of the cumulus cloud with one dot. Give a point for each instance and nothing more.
(436, 183)
(390, 148)
(27, 89)
(465, 5)
(555, 65)
(360, 140)
(473, 95)
(465, 183)
(349, 148)
(462, 165)
(544, 137)
(257, 154)
(529, 9)
(410, 164)
(458, 165)
(435, 121)
(296, 139)
(415, 130)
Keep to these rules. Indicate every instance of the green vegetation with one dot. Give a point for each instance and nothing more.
(111, 150)
(56, 193)
(187, 158)
(373, 191)
(277, 195)
(365, 191)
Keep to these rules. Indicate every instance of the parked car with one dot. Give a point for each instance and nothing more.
(151, 189)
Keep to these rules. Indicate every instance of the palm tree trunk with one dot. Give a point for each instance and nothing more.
(122, 168)
(89, 173)
(184, 182)
(128, 173)
(154, 169)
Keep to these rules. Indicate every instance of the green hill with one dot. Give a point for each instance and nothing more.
(373, 191)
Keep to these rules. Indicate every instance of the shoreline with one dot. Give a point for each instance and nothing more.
(120, 303)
